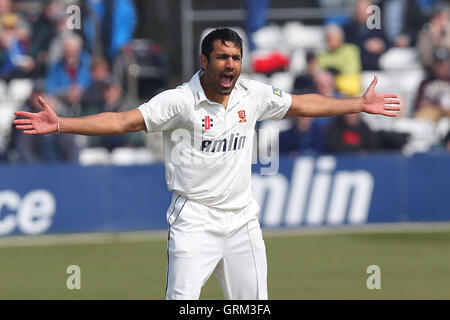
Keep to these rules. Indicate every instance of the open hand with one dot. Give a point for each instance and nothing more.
(42, 122)
(376, 103)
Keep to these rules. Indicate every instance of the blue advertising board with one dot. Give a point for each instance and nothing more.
(303, 192)
(355, 189)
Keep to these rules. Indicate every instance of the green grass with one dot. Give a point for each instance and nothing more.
(327, 266)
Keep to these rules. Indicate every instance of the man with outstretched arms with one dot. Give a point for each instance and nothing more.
(208, 125)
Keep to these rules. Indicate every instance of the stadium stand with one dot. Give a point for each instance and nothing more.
(142, 71)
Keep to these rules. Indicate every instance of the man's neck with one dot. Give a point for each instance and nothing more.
(212, 94)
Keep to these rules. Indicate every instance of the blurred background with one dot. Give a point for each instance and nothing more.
(124, 52)
(91, 56)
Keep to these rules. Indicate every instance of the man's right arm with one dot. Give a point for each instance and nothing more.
(102, 124)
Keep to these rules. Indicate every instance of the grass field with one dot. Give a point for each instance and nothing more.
(414, 265)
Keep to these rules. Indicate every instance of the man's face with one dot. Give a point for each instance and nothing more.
(224, 66)
(100, 71)
(442, 69)
(334, 40)
(71, 50)
(325, 83)
(361, 14)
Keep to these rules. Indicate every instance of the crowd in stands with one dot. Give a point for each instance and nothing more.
(352, 47)
(81, 71)
(76, 69)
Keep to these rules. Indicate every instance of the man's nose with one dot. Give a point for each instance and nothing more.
(229, 63)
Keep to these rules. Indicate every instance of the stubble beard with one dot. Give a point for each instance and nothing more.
(215, 84)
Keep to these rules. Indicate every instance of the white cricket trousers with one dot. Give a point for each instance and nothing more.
(204, 240)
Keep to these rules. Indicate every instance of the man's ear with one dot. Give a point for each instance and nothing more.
(203, 61)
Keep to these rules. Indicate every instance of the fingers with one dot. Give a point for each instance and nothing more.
(43, 103)
(22, 121)
(392, 102)
(391, 105)
(392, 108)
(390, 96)
(25, 127)
(389, 114)
(23, 124)
(24, 114)
(374, 83)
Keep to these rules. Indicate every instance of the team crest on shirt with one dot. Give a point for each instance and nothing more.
(241, 114)
(207, 122)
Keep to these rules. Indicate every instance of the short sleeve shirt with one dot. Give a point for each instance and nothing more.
(208, 148)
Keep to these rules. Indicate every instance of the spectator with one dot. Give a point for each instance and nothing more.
(108, 26)
(345, 59)
(94, 99)
(42, 148)
(302, 138)
(325, 84)
(23, 27)
(106, 95)
(70, 77)
(307, 135)
(56, 47)
(14, 62)
(372, 43)
(435, 34)
(402, 20)
(433, 97)
(304, 83)
(44, 31)
(350, 133)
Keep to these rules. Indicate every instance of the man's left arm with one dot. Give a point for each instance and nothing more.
(315, 105)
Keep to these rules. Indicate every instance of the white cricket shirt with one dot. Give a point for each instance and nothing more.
(207, 148)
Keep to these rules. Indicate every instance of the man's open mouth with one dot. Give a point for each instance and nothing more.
(226, 80)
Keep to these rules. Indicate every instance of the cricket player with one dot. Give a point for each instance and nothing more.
(208, 127)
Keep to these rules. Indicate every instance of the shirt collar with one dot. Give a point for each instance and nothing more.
(199, 93)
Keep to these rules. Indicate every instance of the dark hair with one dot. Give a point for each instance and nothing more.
(223, 34)
(310, 55)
